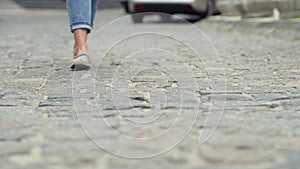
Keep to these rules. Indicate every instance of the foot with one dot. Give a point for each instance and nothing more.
(80, 62)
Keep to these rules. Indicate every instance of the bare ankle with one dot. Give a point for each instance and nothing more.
(80, 50)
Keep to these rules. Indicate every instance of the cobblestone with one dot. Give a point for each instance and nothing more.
(39, 127)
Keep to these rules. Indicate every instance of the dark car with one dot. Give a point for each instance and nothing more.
(193, 7)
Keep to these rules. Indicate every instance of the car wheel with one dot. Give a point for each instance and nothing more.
(137, 18)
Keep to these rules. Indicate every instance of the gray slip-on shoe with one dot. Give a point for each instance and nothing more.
(81, 62)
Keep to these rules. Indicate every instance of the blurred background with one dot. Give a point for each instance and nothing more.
(226, 7)
(60, 4)
(250, 8)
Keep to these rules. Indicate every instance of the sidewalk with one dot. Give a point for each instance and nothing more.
(39, 127)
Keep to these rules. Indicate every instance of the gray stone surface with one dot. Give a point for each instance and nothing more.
(39, 127)
(256, 7)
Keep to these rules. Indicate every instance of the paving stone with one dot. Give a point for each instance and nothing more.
(42, 118)
(14, 134)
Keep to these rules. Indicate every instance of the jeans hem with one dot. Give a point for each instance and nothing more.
(81, 25)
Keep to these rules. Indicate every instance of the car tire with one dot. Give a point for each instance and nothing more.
(137, 18)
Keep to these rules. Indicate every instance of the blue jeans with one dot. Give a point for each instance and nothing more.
(82, 13)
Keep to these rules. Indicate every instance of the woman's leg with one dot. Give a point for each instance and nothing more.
(80, 15)
(94, 9)
(80, 44)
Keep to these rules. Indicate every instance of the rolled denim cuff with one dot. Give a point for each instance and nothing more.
(81, 25)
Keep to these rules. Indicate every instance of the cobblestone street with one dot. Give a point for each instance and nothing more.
(39, 126)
